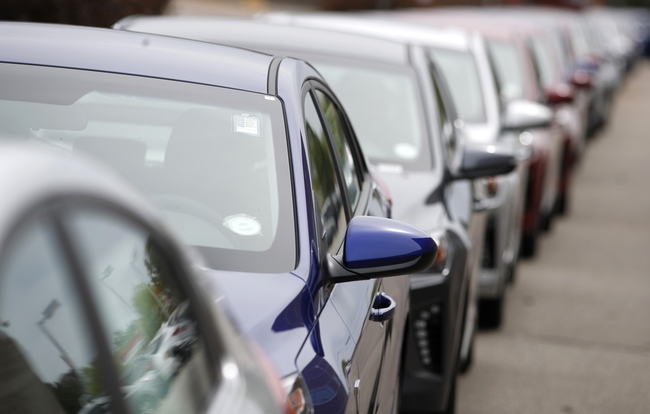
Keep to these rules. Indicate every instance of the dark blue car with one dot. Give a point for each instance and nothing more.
(254, 163)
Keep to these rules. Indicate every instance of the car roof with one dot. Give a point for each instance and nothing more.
(379, 27)
(262, 33)
(482, 23)
(47, 175)
(134, 54)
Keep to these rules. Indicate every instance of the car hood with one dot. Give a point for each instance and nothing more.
(271, 310)
(410, 191)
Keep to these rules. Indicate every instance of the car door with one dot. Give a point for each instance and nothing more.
(49, 358)
(460, 196)
(326, 361)
(110, 324)
(355, 301)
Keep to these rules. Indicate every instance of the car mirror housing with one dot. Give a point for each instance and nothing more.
(485, 161)
(379, 247)
(521, 115)
(560, 93)
(581, 78)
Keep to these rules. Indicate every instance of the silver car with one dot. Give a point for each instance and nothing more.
(88, 275)
(483, 119)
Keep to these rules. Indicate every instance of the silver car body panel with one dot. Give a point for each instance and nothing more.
(46, 176)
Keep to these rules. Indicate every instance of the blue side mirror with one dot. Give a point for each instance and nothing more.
(380, 247)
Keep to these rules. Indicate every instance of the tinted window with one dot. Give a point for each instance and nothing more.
(214, 159)
(377, 207)
(47, 362)
(461, 74)
(327, 192)
(385, 110)
(544, 60)
(445, 122)
(578, 41)
(340, 139)
(153, 334)
(509, 69)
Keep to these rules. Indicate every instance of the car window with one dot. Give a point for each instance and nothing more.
(154, 337)
(579, 42)
(537, 70)
(341, 141)
(215, 160)
(47, 361)
(327, 192)
(509, 68)
(377, 207)
(445, 122)
(461, 73)
(542, 57)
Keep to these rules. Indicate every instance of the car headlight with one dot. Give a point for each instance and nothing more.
(297, 396)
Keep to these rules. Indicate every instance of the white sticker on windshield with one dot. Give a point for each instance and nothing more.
(246, 124)
(243, 224)
(405, 150)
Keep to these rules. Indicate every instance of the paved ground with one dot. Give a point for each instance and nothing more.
(576, 338)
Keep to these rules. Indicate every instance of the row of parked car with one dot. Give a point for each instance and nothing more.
(316, 226)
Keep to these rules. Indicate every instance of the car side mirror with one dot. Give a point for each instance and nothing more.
(485, 161)
(379, 247)
(581, 78)
(520, 115)
(560, 93)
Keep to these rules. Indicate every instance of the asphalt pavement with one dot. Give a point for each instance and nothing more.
(576, 337)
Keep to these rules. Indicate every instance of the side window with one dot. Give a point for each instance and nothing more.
(535, 63)
(497, 83)
(154, 336)
(327, 192)
(446, 123)
(47, 361)
(377, 207)
(341, 142)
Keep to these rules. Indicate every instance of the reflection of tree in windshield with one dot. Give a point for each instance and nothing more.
(67, 390)
(152, 316)
(322, 167)
(153, 301)
(326, 192)
(93, 379)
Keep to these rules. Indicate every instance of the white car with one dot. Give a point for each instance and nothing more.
(74, 346)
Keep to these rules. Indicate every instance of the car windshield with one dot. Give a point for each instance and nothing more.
(460, 71)
(385, 111)
(510, 71)
(214, 159)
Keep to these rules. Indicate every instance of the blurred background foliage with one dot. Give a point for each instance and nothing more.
(103, 13)
(100, 13)
(630, 3)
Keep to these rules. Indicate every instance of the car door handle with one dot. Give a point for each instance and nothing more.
(383, 308)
